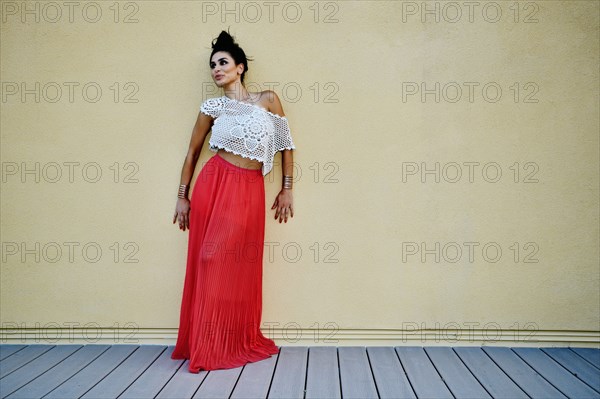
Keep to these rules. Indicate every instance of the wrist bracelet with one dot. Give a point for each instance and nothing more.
(287, 181)
(183, 191)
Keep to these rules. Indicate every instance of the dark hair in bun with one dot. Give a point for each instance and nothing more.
(225, 42)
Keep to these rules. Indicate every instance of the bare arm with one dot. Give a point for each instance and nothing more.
(201, 129)
(284, 200)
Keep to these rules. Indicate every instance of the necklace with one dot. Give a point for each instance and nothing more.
(243, 99)
(247, 97)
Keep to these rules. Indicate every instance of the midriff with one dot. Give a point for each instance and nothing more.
(239, 160)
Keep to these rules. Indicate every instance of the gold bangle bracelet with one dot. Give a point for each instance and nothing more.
(183, 191)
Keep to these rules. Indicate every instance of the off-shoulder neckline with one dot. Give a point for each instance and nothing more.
(253, 105)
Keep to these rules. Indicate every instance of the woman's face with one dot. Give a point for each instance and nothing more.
(223, 69)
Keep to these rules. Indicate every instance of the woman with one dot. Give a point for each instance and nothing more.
(221, 307)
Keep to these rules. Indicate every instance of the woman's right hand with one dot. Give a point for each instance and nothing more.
(182, 213)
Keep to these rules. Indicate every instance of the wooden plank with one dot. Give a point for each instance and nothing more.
(154, 378)
(121, 377)
(455, 374)
(322, 377)
(7, 350)
(493, 379)
(290, 373)
(255, 379)
(356, 377)
(21, 358)
(58, 374)
(90, 375)
(424, 378)
(592, 355)
(390, 378)
(34, 368)
(576, 365)
(524, 376)
(183, 384)
(219, 383)
(564, 381)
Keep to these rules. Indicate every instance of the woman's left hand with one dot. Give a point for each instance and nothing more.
(283, 203)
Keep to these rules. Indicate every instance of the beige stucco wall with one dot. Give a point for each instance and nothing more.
(368, 222)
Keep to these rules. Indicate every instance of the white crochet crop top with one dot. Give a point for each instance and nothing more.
(247, 129)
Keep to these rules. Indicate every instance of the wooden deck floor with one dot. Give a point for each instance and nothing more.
(147, 371)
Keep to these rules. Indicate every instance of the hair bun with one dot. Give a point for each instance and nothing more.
(224, 40)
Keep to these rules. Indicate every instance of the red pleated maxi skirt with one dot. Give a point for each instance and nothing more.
(221, 307)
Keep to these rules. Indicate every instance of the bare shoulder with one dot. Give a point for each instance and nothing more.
(272, 102)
